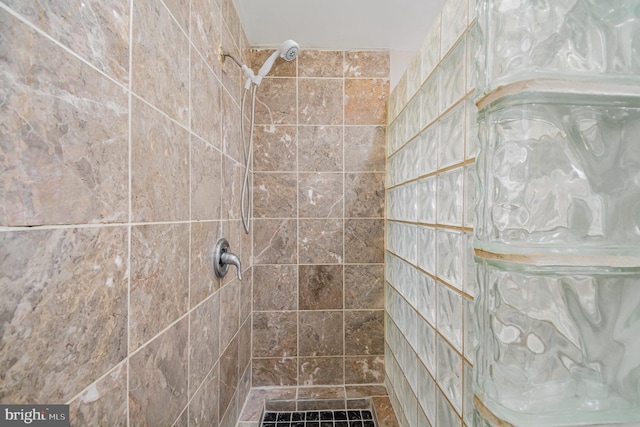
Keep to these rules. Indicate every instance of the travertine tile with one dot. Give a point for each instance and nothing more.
(203, 409)
(158, 378)
(364, 332)
(275, 241)
(320, 148)
(180, 11)
(275, 148)
(364, 148)
(206, 171)
(320, 195)
(365, 101)
(364, 195)
(231, 129)
(364, 370)
(56, 278)
(276, 102)
(64, 152)
(320, 287)
(229, 312)
(206, 101)
(279, 371)
(320, 63)
(104, 402)
(206, 34)
(317, 101)
(159, 166)
(274, 195)
(159, 279)
(321, 370)
(204, 335)
(364, 286)
(367, 63)
(160, 66)
(364, 241)
(232, 177)
(228, 377)
(320, 241)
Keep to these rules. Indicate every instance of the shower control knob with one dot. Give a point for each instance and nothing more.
(222, 258)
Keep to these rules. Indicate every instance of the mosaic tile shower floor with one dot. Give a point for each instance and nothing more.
(351, 418)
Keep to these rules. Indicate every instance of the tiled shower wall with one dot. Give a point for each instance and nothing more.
(430, 276)
(120, 167)
(319, 161)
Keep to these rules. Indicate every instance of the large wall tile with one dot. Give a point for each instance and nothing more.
(64, 154)
(206, 101)
(206, 22)
(274, 334)
(320, 63)
(276, 102)
(280, 371)
(276, 287)
(206, 171)
(321, 371)
(320, 287)
(364, 148)
(317, 101)
(317, 333)
(320, 195)
(203, 409)
(365, 101)
(275, 195)
(204, 335)
(320, 148)
(366, 63)
(57, 278)
(275, 148)
(320, 241)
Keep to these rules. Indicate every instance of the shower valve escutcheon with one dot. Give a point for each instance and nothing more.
(222, 258)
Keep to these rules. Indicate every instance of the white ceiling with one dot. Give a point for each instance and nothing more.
(339, 24)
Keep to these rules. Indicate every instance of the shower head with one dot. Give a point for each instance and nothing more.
(288, 51)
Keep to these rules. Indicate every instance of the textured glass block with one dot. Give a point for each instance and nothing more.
(581, 38)
(403, 129)
(449, 374)
(451, 141)
(430, 95)
(559, 346)
(428, 151)
(454, 21)
(470, 285)
(450, 245)
(467, 399)
(427, 249)
(471, 142)
(392, 105)
(430, 49)
(413, 75)
(452, 76)
(472, 48)
(413, 117)
(427, 345)
(450, 315)
(450, 197)
(427, 394)
(470, 340)
(446, 415)
(560, 173)
(426, 298)
(427, 198)
(469, 194)
(411, 371)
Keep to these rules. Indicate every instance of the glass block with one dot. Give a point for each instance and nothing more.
(570, 39)
(446, 415)
(454, 21)
(558, 345)
(392, 105)
(430, 95)
(427, 198)
(413, 117)
(431, 49)
(472, 47)
(470, 285)
(452, 76)
(427, 345)
(413, 76)
(562, 174)
(449, 267)
(428, 151)
(403, 129)
(470, 340)
(450, 315)
(426, 298)
(469, 194)
(471, 141)
(451, 141)
(450, 197)
(427, 249)
(426, 393)
(467, 398)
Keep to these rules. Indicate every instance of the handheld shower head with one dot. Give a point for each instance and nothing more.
(288, 51)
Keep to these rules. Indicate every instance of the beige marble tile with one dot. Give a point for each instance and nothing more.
(204, 335)
(183, 419)
(159, 166)
(320, 63)
(278, 371)
(357, 391)
(364, 195)
(364, 286)
(65, 134)
(275, 241)
(276, 102)
(64, 310)
(275, 148)
(368, 63)
(231, 129)
(229, 312)
(320, 241)
(246, 295)
(232, 177)
(317, 333)
(320, 287)
(384, 412)
(365, 101)
(158, 378)
(104, 402)
(206, 176)
(317, 101)
(364, 370)
(274, 334)
(159, 279)
(96, 30)
(231, 19)
(228, 377)
(275, 195)
(206, 21)
(244, 351)
(320, 195)
(364, 241)
(206, 102)
(203, 409)
(160, 64)
(276, 287)
(203, 280)
(320, 148)
(364, 148)
(321, 370)
(180, 11)
(230, 74)
(306, 393)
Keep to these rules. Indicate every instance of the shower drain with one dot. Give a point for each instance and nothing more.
(349, 418)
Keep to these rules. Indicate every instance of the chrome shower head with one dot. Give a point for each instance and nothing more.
(288, 51)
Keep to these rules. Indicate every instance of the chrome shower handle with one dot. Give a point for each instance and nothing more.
(222, 258)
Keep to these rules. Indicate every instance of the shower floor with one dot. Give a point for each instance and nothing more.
(350, 418)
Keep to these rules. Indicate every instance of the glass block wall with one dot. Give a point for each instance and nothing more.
(430, 276)
(557, 232)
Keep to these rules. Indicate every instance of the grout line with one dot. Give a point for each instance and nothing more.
(130, 228)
